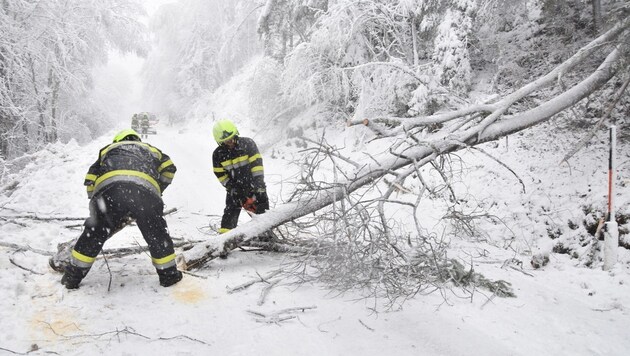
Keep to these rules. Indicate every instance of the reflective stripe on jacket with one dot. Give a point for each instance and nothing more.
(240, 167)
(130, 161)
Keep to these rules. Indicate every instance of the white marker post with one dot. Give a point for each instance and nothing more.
(611, 230)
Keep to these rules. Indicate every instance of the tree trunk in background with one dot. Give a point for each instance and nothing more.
(54, 104)
(25, 145)
(597, 16)
(414, 38)
(4, 117)
(41, 106)
(274, 27)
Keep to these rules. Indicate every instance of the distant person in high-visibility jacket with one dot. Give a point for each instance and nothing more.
(126, 182)
(239, 167)
(144, 125)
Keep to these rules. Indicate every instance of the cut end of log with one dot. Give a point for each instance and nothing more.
(180, 261)
(364, 122)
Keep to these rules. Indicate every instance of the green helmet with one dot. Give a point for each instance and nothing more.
(127, 135)
(224, 130)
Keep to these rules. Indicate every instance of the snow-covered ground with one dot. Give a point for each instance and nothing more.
(120, 309)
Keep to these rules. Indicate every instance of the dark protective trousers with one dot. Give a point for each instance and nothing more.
(111, 209)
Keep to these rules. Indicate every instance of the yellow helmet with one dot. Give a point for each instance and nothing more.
(224, 130)
(127, 134)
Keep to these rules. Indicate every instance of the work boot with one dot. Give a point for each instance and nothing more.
(57, 264)
(61, 259)
(72, 276)
(169, 276)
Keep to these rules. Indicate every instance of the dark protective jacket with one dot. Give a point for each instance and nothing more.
(130, 161)
(240, 169)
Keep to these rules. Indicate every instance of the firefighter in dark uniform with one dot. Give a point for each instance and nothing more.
(239, 167)
(135, 124)
(126, 182)
(144, 125)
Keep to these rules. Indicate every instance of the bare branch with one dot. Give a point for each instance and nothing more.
(589, 136)
(22, 267)
(253, 281)
(266, 290)
(546, 110)
(387, 64)
(278, 316)
(25, 248)
(502, 164)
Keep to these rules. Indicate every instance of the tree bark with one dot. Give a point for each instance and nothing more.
(597, 15)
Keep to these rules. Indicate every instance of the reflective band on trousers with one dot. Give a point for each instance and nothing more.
(164, 262)
(81, 260)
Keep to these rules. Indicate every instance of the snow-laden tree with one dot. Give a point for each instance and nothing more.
(47, 52)
(274, 26)
(283, 24)
(374, 57)
(450, 56)
(197, 46)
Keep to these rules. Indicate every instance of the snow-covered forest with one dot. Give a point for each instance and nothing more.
(354, 60)
(420, 156)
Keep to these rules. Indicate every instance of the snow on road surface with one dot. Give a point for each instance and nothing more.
(120, 309)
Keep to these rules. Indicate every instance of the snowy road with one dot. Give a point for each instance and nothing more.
(121, 309)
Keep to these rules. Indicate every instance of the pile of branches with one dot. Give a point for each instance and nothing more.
(356, 245)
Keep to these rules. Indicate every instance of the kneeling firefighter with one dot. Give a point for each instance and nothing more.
(126, 182)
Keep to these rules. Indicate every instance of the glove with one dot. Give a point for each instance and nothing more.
(262, 200)
(250, 204)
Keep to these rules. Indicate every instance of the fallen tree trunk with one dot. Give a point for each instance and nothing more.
(448, 139)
